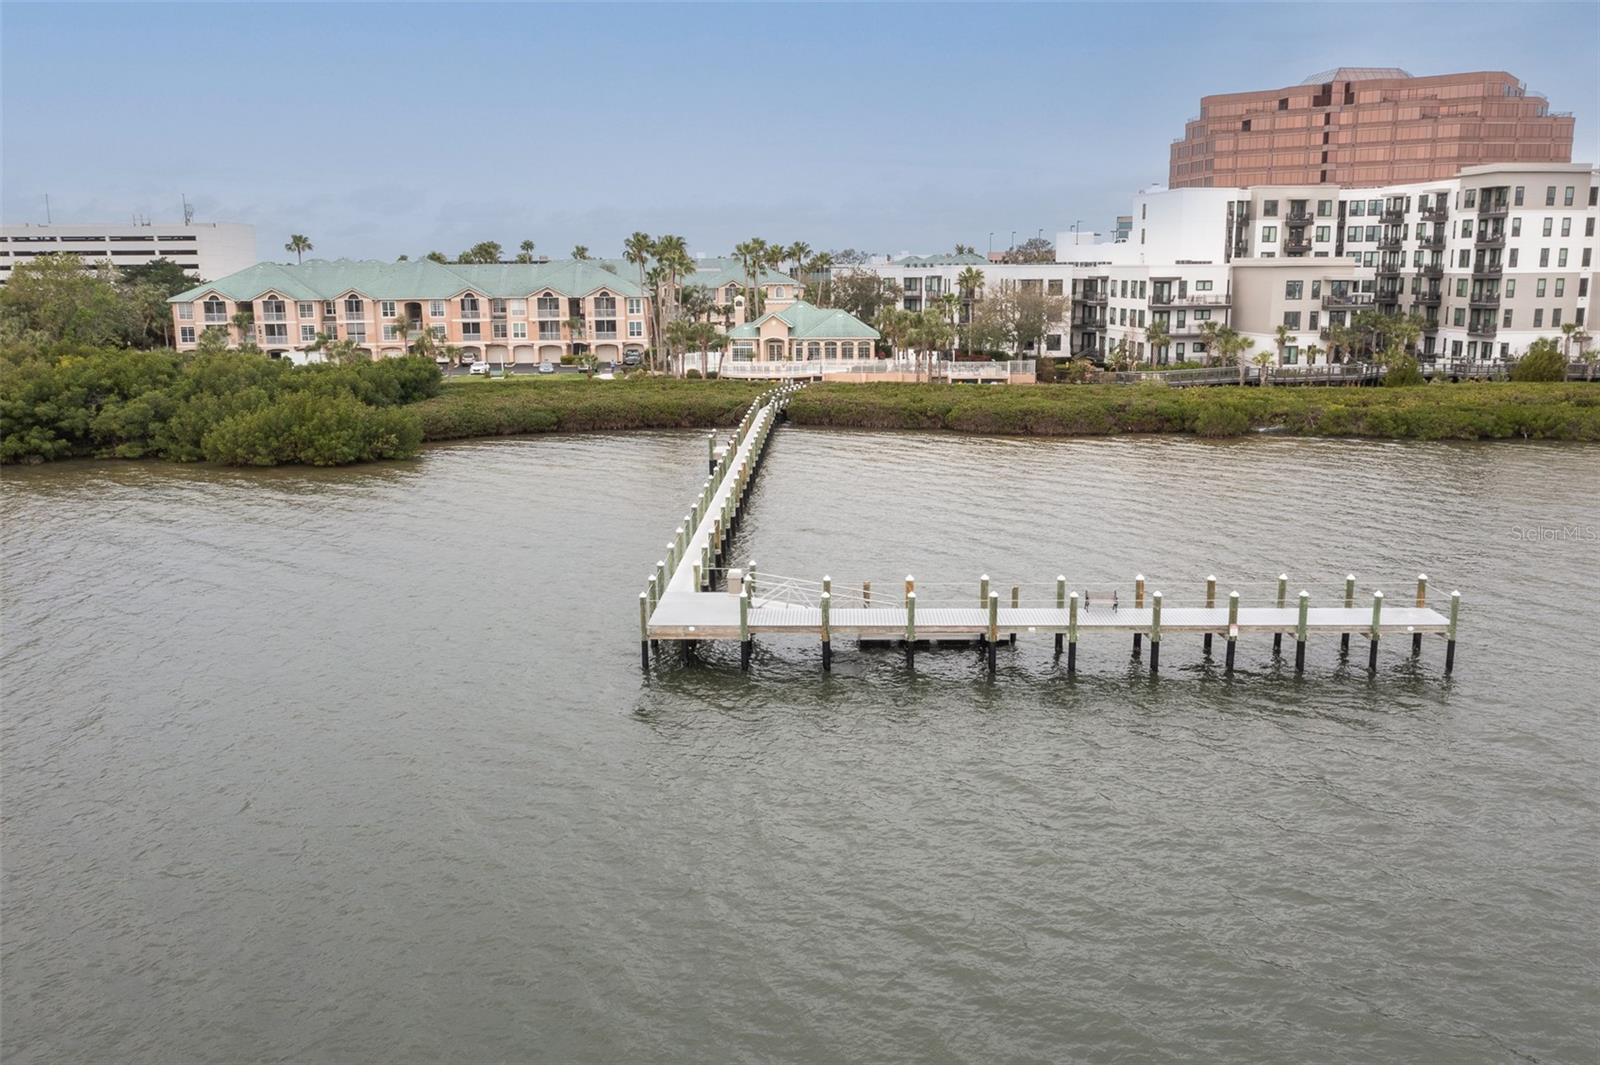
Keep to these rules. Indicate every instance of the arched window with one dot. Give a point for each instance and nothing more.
(830, 350)
(847, 350)
(352, 307)
(469, 305)
(813, 350)
(216, 312)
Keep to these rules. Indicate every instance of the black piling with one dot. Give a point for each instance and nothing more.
(1228, 667)
(1449, 657)
(1072, 658)
(745, 647)
(1138, 638)
(1299, 656)
(1155, 655)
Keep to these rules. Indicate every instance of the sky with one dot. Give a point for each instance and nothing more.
(385, 129)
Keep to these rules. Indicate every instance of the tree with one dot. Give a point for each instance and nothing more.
(213, 340)
(1264, 362)
(1543, 362)
(1157, 337)
(796, 253)
(1226, 346)
(525, 252)
(339, 352)
(1567, 331)
(164, 274)
(580, 252)
(862, 293)
(1280, 337)
(1032, 250)
(965, 249)
(817, 277)
(485, 251)
(1311, 353)
(436, 257)
(52, 299)
(1027, 313)
(298, 244)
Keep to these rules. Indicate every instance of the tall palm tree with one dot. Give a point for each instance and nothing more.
(970, 282)
(796, 253)
(1280, 336)
(1311, 353)
(751, 254)
(525, 255)
(816, 271)
(1264, 360)
(580, 251)
(298, 244)
(1157, 337)
(1567, 330)
(637, 250)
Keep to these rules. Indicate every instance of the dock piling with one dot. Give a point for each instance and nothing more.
(1377, 612)
(1072, 634)
(994, 627)
(1061, 604)
(911, 626)
(744, 631)
(1283, 592)
(1138, 603)
(1155, 633)
(983, 590)
(866, 593)
(827, 634)
(1211, 601)
(644, 632)
(1300, 633)
(1450, 634)
(1349, 604)
(1422, 601)
(1016, 601)
(1233, 630)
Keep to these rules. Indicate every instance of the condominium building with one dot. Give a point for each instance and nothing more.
(512, 313)
(203, 249)
(1365, 126)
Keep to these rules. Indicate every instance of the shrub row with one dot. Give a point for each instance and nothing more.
(501, 408)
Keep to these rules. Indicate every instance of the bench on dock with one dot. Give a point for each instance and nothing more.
(1093, 597)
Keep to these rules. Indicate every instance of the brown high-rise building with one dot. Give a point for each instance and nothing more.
(1367, 126)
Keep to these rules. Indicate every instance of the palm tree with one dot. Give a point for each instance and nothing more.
(1567, 329)
(526, 254)
(816, 269)
(1311, 353)
(970, 282)
(796, 253)
(1157, 337)
(298, 244)
(1264, 361)
(580, 252)
(1281, 337)
(637, 250)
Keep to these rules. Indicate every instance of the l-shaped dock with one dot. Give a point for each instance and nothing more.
(682, 601)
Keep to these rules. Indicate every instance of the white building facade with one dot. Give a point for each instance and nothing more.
(203, 249)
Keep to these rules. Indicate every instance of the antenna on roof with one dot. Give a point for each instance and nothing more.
(188, 210)
(47, 208)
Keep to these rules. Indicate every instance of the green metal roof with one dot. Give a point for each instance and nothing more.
(964, 259)
(419, 279)
(805, 321)
(715, 272)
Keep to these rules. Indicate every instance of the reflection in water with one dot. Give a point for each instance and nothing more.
(359, 765)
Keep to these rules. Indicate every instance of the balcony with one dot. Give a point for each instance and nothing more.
(1490, 240)
(1390, 268)
(1203, 299)
(1481, 328)
(1431, 270)
(1486, 270)
(1431, 325)
(1435, 214)
(273, 316)
(1296, 247)
(216, 319)
(605, 334)
(1428, 298)
(1346, 300)
(1484, 300)
(1298, 219)
(1496, 209)
(1393, 216)
(1389, 242)
(275, 339)
(1093, 297)
(1433, 242)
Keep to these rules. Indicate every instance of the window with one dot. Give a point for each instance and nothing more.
(1322, 233)
(1124, 289)
(1353, 235)
(186, 334)
(1460, 316)
(1561, 258)
(517, 309)
(1292, 319)
(519, 330)
(1312, 324)
(386, 308)
(1516, 196)
(1544, 257)
(1054, 287)
(469, 306)
(437, 331)
(186, 312)
(216, 312)
(605, 306)
(1269, 234)
(1555, 318)
(777, 291)
(306, 308)
(1588, 227)
(1200, 316)
(1294, 290)
(1461, 286)
(1538, 288)
(1516, 227)
(549, 306)
(356, 331)
(1548, 224)
(1202, 286)
(635, 330)
(353, 307)
(327, 308)
(1561, 287)
(1586, 253)
(436, 308)
(1566, 199)
(814, 350)
(1372, 234)
(1505, 319)
(390, 331)
(1566, 226)
(1374, 206)
(1538, 317)
(830, 350)
(308, 334)
(1324, 208)
(1316, 288)
(1511, 287)
(1466, 228)
(1511, 258)
(1550, 196)
(635, 306)
(471, 331)
(1269, 208)
(497, 330)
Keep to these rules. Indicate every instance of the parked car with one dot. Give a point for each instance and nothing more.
(478, 369)
(631, 359)
(547, 367)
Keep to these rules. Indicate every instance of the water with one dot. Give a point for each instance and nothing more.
(360, 766)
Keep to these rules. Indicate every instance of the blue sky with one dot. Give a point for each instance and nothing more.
(378, 129)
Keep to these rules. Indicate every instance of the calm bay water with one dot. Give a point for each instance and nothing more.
(360, 766)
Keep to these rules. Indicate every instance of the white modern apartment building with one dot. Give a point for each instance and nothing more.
(203, 249)
(1490, 260)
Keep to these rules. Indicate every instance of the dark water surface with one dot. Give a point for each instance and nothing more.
(359, 766)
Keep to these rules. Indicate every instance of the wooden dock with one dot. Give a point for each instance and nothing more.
(682, 600)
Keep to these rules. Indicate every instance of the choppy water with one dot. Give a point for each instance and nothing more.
(360, 766)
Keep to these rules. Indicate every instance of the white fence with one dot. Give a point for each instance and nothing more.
(813, 369)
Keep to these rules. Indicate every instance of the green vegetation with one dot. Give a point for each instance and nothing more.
(570, 404)
(232, 407)
(1543, 362)
(1482, 410)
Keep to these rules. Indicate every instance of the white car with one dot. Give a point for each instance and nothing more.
(479, 369)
